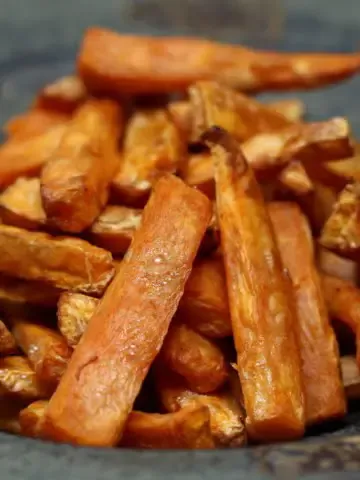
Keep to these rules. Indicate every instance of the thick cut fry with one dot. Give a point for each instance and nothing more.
(23, 292)
(126, 332)
(113, 64)
(204, 305)
(75, 182)
(343, 301)
(336, 266)
(323, 390)
(215, 105)
(341, 232)
(61, 262)
(195, 358)
(74, 313)
(7, 341)
(261, 304)
(64, 95)
(32, 419)
(152, 147)
(294, 179)
(115, 227)
(21, 206)
(47, 351)
(188, 428)
(34, 122)
(292, 108)
(18, 380)
(25, 157)
(227, 418)
(351, 377)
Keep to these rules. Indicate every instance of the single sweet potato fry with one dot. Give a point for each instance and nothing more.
(61, 262)
(74, 313)
(242, 116)
(7, 341)
(188, 428)
(227, 418)
(75, 182)
(32, 419)
(197, 359)
(34, 122)
(204, 305)
(323, 390)
(18, 380)
(343, 302)
(25, 157)
(152, 147)
(341, 232)
(21, 206)
(47, 351)
(351, 377)
(291, 108)
(294, 179)
(261, 305)
(65, 95)
(23, 292)
(114, 228)
(116, 64)
(128, 327)
(331, 264)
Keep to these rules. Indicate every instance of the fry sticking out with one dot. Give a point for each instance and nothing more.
(114, 64)
(323, 390)
(260, 297)
(75, 182)
(204, 305)
(188, 428)
(127, 330)
(21, 206)
(7, 341)
(115, 227)
(293, 109)
(32, 419)
(294, 179)
(152, 147)
(60, 262)
(64, 95)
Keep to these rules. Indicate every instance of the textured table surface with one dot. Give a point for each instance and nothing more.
(38, 42)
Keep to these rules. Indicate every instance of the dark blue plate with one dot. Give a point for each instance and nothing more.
(38, 43)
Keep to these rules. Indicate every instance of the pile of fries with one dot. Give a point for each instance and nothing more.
(171, 267)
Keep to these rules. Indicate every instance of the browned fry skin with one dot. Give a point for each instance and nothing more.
(292, 108)
(351, 377)
(32, 419)
(34, 122)
(341, 232)
(21, 206)
(25, 157)
(152, 147)
(204, 305)
(343, 302)
(188, 428)
(242, 116)
(47, 351)
(153, 65)
(195, 358)
(75, 182)
(331, 264)
(323, 390)
(293, 178)
(18, 380)
(7, 341)
(261, 305)
(115, 227)
(227, 419)
(61, 262)
(74, 313)
(23, 292)
(64, 95)
(127, 329)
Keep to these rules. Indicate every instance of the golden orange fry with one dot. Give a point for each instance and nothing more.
(32, 419)
(293, 178)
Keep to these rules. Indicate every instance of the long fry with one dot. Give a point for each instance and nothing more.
(261, 306)
(114, 64)
(323, 391)
(126, 332)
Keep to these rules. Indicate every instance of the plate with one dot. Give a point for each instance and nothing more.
(38, 43)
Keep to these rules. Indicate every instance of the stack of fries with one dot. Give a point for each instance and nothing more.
(170, 266)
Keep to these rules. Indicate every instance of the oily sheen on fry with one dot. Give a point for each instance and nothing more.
(261, 304)
(104, 376)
